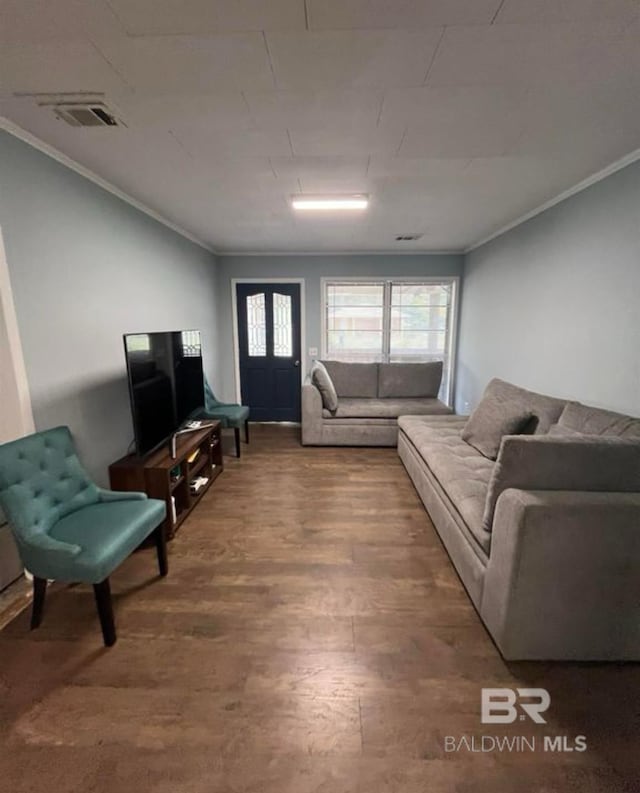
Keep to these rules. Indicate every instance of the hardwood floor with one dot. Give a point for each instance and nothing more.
(311, 636)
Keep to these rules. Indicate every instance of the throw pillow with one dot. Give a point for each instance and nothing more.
(323, 382)
(545, 410)
(492, 419)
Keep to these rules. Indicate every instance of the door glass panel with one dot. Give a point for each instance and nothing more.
(190, 343)
(282, 326)
(256, 325)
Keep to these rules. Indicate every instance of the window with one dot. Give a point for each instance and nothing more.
(391, 321)
(355, 318)
(138, 342)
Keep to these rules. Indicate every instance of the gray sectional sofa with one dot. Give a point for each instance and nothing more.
(546, 538)
(370, 398)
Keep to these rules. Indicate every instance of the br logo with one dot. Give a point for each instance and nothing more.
(500, 705)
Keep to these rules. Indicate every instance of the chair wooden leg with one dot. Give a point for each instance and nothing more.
(39, 592)
(246, 431)
(102, 592)
(161, 548)
(236, 431)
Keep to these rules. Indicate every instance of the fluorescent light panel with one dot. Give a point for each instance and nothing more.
(322, 203)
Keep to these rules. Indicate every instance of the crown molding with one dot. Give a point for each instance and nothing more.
(36, 143)
(618, 165)
(458, 252)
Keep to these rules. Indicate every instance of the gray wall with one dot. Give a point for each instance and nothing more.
(554, 304)
(85, 268)
(312, 269)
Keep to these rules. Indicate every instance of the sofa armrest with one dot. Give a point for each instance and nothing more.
(542, 462)
(562, 577)
(39, 542)
(311, 414)
(107, 496)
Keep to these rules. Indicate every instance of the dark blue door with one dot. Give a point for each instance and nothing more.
(269, 342)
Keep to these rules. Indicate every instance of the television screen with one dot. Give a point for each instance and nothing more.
(165, 383)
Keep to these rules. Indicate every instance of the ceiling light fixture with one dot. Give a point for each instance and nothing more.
(329, 202)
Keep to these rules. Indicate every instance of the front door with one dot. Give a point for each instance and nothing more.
(269, 347)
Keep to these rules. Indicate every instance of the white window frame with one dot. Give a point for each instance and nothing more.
(452, 281)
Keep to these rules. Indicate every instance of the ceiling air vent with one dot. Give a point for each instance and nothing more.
(78, 114)
(408, 237)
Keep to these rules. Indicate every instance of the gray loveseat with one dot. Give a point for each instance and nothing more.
(546, 538)
(370, 398)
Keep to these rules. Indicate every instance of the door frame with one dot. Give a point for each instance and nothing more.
(17, 414)
(236, 342)
(21, 416)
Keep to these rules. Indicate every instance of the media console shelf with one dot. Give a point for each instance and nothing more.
(198, 454)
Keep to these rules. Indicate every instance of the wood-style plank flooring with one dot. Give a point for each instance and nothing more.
(312, 635)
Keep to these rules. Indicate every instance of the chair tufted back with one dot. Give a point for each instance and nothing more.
(41, 481)
(210, 401)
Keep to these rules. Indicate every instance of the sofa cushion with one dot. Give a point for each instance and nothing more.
(386, 408)
(463, 473)
(595, 421)
(360, 422)
(573, 462)
(353, 379)
(405, 380)
(491, 420)
(323, 382)
(545, 410)
(558, 431)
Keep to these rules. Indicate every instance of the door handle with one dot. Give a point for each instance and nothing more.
(296, 363)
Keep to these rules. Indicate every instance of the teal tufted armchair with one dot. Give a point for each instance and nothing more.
(227, 413)
(65, 526)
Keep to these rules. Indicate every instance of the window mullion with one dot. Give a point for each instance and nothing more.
(386, 323)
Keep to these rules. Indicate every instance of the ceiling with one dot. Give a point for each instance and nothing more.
(456, 116)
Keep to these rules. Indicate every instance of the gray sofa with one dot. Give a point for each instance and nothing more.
(546, 538)
(370, 398)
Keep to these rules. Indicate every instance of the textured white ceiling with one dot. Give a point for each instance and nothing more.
(457, 116)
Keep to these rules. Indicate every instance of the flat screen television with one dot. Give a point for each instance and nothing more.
(166, 384)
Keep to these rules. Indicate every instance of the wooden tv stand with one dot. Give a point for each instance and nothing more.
(161, 476)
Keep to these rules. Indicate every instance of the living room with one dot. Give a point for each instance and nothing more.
(317, 628)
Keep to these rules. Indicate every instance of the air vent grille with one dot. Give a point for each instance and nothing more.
(408, 237)
(77, 114)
